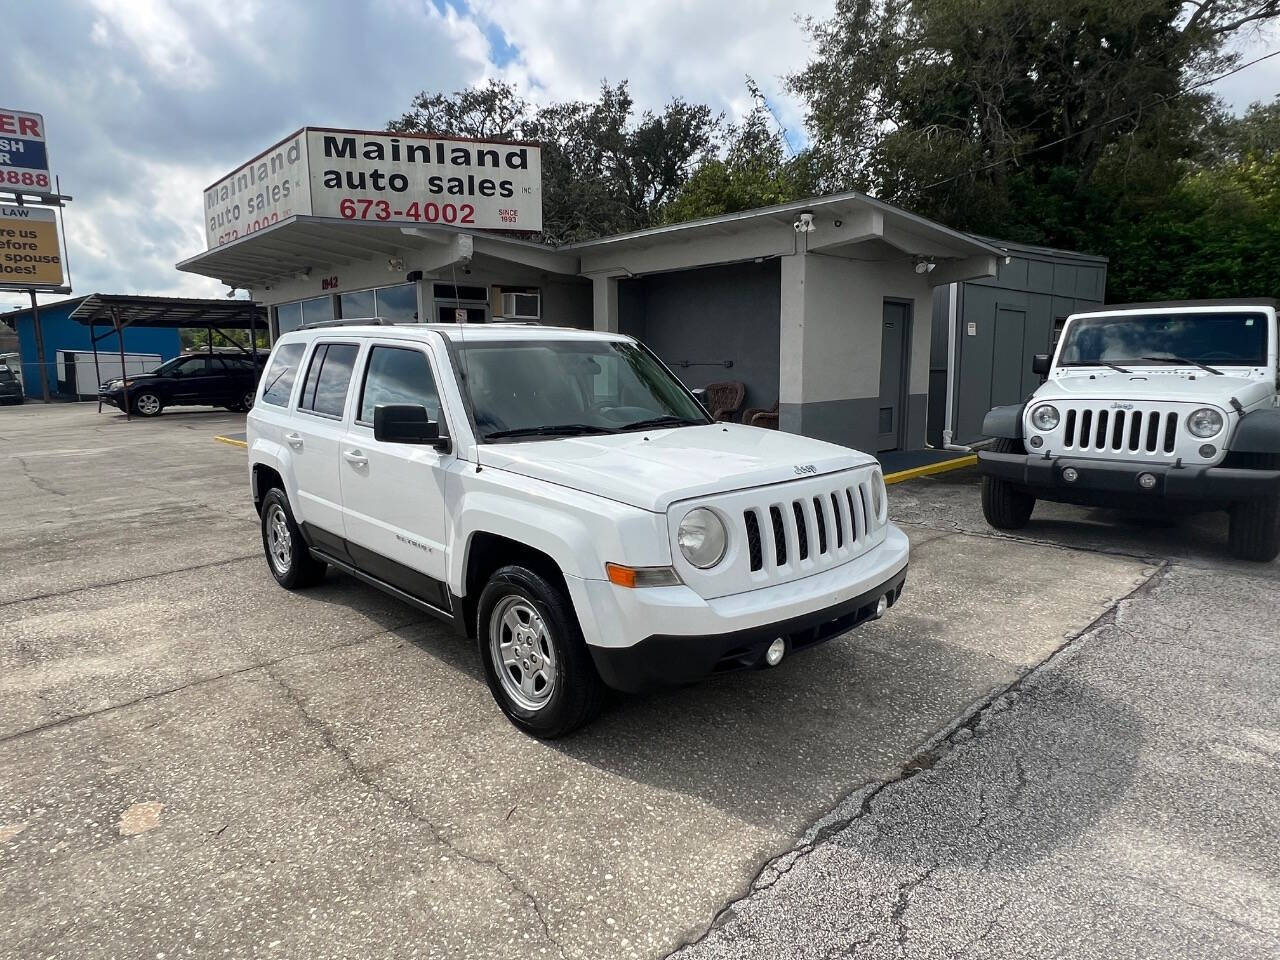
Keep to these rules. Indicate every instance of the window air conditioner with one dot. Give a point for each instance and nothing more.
(522, 306)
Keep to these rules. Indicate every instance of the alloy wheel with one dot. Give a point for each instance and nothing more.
(279, 540)
(522, 652)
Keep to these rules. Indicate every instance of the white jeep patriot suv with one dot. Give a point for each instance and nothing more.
(559, 496)
(1158, 406)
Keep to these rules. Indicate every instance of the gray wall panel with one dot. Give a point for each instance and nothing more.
(709, 315)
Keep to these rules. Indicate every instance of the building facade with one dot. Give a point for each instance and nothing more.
(822, 307)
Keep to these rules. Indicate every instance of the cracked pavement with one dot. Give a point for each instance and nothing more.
(196, 763)
(1122, 799)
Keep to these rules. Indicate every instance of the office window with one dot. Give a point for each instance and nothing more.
(317, 310)
(288, 317)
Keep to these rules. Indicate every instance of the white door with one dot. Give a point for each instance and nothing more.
(314, 437)
(393, 494)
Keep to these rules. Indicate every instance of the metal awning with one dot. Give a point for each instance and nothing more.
(299, 243)
(170, 312)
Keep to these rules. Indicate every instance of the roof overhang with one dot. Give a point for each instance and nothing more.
(841, 223)
(301, 243)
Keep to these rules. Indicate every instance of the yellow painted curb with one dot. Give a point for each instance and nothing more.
(931, 468)
(232, 441)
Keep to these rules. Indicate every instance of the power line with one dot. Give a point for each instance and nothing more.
(1107, 123)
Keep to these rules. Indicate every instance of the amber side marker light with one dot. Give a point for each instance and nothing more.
(632, 577)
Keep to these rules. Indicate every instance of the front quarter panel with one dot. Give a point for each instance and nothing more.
(581, 532)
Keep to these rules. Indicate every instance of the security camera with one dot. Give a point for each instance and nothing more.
(805, 223)
(395, 264)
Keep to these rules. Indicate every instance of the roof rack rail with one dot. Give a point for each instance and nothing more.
(515, 323)
(362, 322)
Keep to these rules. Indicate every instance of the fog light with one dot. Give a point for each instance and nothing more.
(1036, 442)
(1070, 474)
(1208, 451)
(1147, 481)
(881, 606)
(773, 656)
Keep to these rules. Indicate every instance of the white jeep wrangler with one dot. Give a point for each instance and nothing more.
(559, 496)
(1165, 406)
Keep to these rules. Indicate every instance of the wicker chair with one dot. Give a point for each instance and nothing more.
(760, 417)
(724, 399)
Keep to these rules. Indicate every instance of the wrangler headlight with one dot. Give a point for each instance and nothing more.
(1045, 417)
(1205, 423)
(702, 537)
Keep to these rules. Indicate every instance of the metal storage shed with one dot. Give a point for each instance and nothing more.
(986, 331)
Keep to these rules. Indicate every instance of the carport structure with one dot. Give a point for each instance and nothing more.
(122, 310)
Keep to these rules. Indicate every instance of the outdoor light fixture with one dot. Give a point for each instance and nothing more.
(805, 223)
(924, 265)
(395, 264)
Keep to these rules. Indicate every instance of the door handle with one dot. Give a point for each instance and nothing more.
(294, 440)
(356, 458)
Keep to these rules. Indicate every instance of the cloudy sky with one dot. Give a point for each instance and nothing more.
(147, 101)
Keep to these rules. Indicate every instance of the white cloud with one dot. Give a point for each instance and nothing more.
(702, 52)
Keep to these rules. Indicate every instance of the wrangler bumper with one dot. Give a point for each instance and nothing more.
(1100, 480)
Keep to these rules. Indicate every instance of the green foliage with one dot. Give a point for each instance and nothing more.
(605, 169)
(1073, 124)
(754, 171)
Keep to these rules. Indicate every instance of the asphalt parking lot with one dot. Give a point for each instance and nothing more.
(196, 763)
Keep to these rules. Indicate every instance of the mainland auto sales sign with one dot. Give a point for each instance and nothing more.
(381, 177)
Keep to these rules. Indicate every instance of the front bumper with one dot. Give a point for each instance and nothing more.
(667, 636)
(1104, 479)
(115, 398)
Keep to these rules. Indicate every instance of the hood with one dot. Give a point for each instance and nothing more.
(1168, 386)
(652, 469)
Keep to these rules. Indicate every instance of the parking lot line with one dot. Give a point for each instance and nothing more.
(234, 439)
(931, 468)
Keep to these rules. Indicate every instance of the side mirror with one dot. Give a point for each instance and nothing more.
(1040, 365)
(407, 423)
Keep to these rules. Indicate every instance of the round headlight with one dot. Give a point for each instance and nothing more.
(879, 496)
(702, 537)
(1045, 417)
(1205, 423)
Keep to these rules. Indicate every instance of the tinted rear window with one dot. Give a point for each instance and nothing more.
(329, 376)
(281, 374)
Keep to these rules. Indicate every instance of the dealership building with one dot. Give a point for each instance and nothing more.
(828, 308)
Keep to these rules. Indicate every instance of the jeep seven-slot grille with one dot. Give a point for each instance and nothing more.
(810, 528)
(1120, 431)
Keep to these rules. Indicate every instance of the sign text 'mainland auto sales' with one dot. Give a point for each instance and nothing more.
(396, 178)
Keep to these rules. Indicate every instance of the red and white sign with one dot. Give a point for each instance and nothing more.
(383, 177)
(24, 154)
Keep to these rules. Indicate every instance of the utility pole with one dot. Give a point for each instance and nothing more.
(35, 323)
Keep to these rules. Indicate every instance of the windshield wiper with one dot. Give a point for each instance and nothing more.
(1184, 362)
(555, 430)
(663, 421)
(1095, 363)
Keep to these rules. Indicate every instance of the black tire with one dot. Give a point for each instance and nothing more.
(1004, 505)
(1255, 524)
(576, 693)
(288, 558)
(146, 404)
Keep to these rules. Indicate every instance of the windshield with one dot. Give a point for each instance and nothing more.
(524, 388)
(1238, 339)
(169, 365)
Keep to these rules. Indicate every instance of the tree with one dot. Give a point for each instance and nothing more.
(1027, 119)
(754, 171)
(604, 169)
